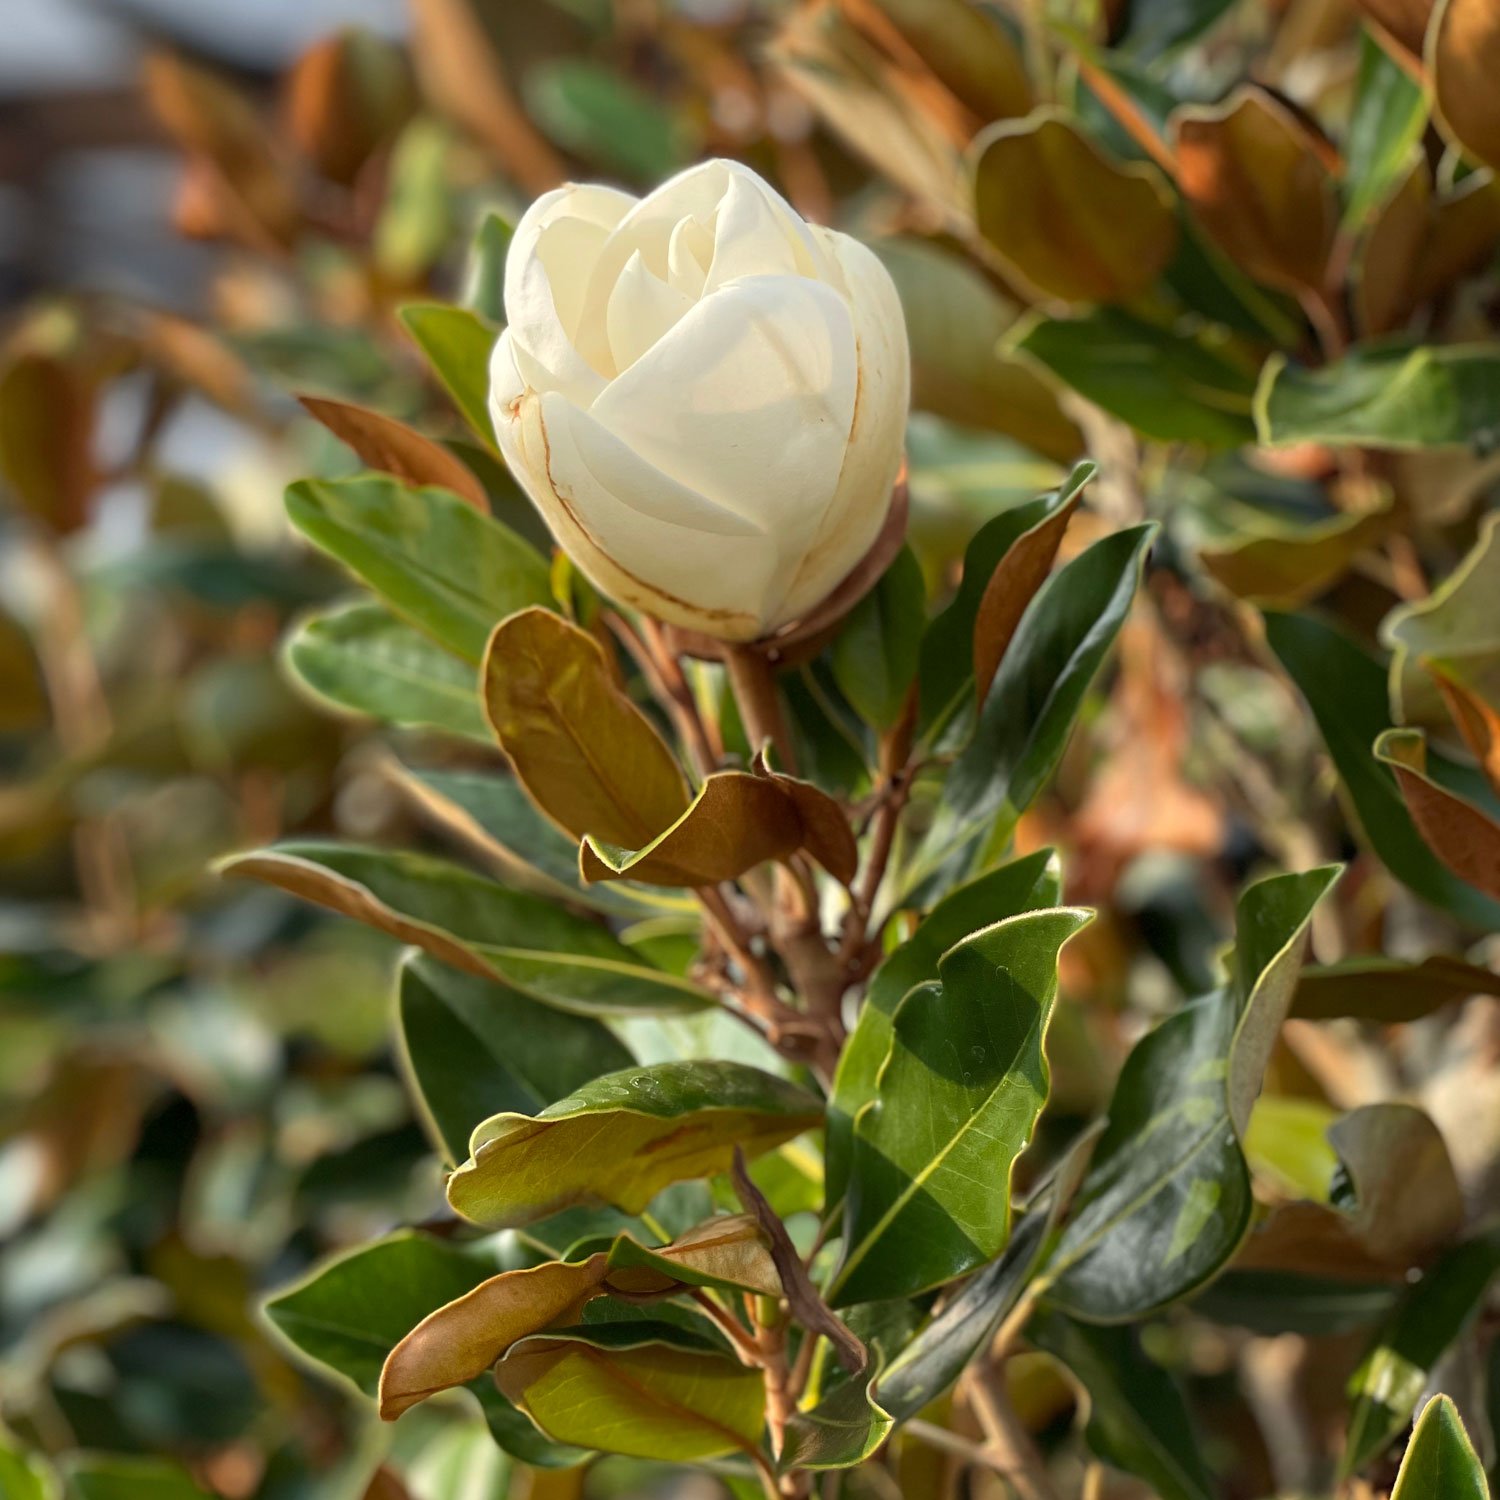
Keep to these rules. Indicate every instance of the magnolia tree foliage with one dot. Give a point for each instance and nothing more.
(840, 1086)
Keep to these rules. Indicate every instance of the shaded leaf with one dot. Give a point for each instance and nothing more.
(591, 110)
(361, 659)
(1440, 1462)
(457, 344)
(1390, 112)
(1169, 385)
(1402, 23)
(471, 1045)
(1463, 836)
(434, 559)
(347, 97)
(1167, 1199)
(1058, 647)
(1261, 183)
(842, 1430)
(1390, 1380)
(1023, 885)
(1012, 545)
(955, 322)
(1478, 721)
(522, 1168)
(47, 414)
(955, 1104)
(476, 926)
(128, 1477)
(1388, 990)
(874, 655)
(1346, 690)
(648, 1399)
(588, 756)
(1137, 1418)
(1075, 222)
(1386, 396)
(393, 447)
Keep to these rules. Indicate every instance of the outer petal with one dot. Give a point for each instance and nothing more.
(639, 536)
(872, 461)
(547, 275)
(748, 401)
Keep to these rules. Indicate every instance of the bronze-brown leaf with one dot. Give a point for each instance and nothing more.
(1463, 836)
(394, 448)
(589, 758)
(1463, 57)
(1477, 721)
(1077, 224)
(1402, 24)
(1262, 184)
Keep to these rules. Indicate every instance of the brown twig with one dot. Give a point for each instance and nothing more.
(1006, 1438)
(753, 679)
(669, 688)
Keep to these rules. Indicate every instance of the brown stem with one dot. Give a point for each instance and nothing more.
(1006, 1438)
(770, 1339)
(730, 1326)
(754, 682)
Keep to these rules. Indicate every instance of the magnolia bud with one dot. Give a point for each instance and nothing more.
(704, 395)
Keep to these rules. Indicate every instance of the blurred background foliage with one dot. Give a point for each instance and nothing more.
(205, 208)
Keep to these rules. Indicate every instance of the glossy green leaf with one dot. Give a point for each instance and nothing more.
(1275, 1302)
(472, 1046)
(1137, 1418)
(1024, 726)
(432, 558)
(1346, 691)
(946, 679)
(475, 925)
(599, 114)
(1388, 990)
(1391, 1378)
(1289, 564)
(875, 652)
(1167, 1199)
(1390, 112)
(1175, 387)
(486, 272)
(363, 660)
(458, 344)
(1440, 1461)
(955, 1104)
(1024, 885)
(1388, 395)
(608, 1141)
(610, 1388)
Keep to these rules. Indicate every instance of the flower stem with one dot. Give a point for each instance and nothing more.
(753, 679)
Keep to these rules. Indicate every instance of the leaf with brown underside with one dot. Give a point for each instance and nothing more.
(1477, 721)
(345, 97)
(1262, 184)
(1076, 223)
(1463, 60)
(1465, 838)
(588, 757)
(393, 447)
(808, 1307)
(1402, 24)
(826, 834)
(1021, 572)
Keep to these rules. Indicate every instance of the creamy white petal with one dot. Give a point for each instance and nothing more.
(547, 274)
(877, 438)
(642, 309)
(748, 401)
(750, 237)
(690, 252)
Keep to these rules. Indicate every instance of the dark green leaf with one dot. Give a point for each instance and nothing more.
(1157, 27)
(362, 659)
(875, 653)
(1390, 1380)
(436, 561)
(1389, 395)
(1137, 1420)
(473, 1046)
(955, 1104)
(597, 113)
(486, 280)
(1167, 1200)
(1176, 387)
(121, 1477)
(842, 1430)
(1346, 690)
(1390, 111)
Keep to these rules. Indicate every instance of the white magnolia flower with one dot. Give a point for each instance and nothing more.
(704, 395)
